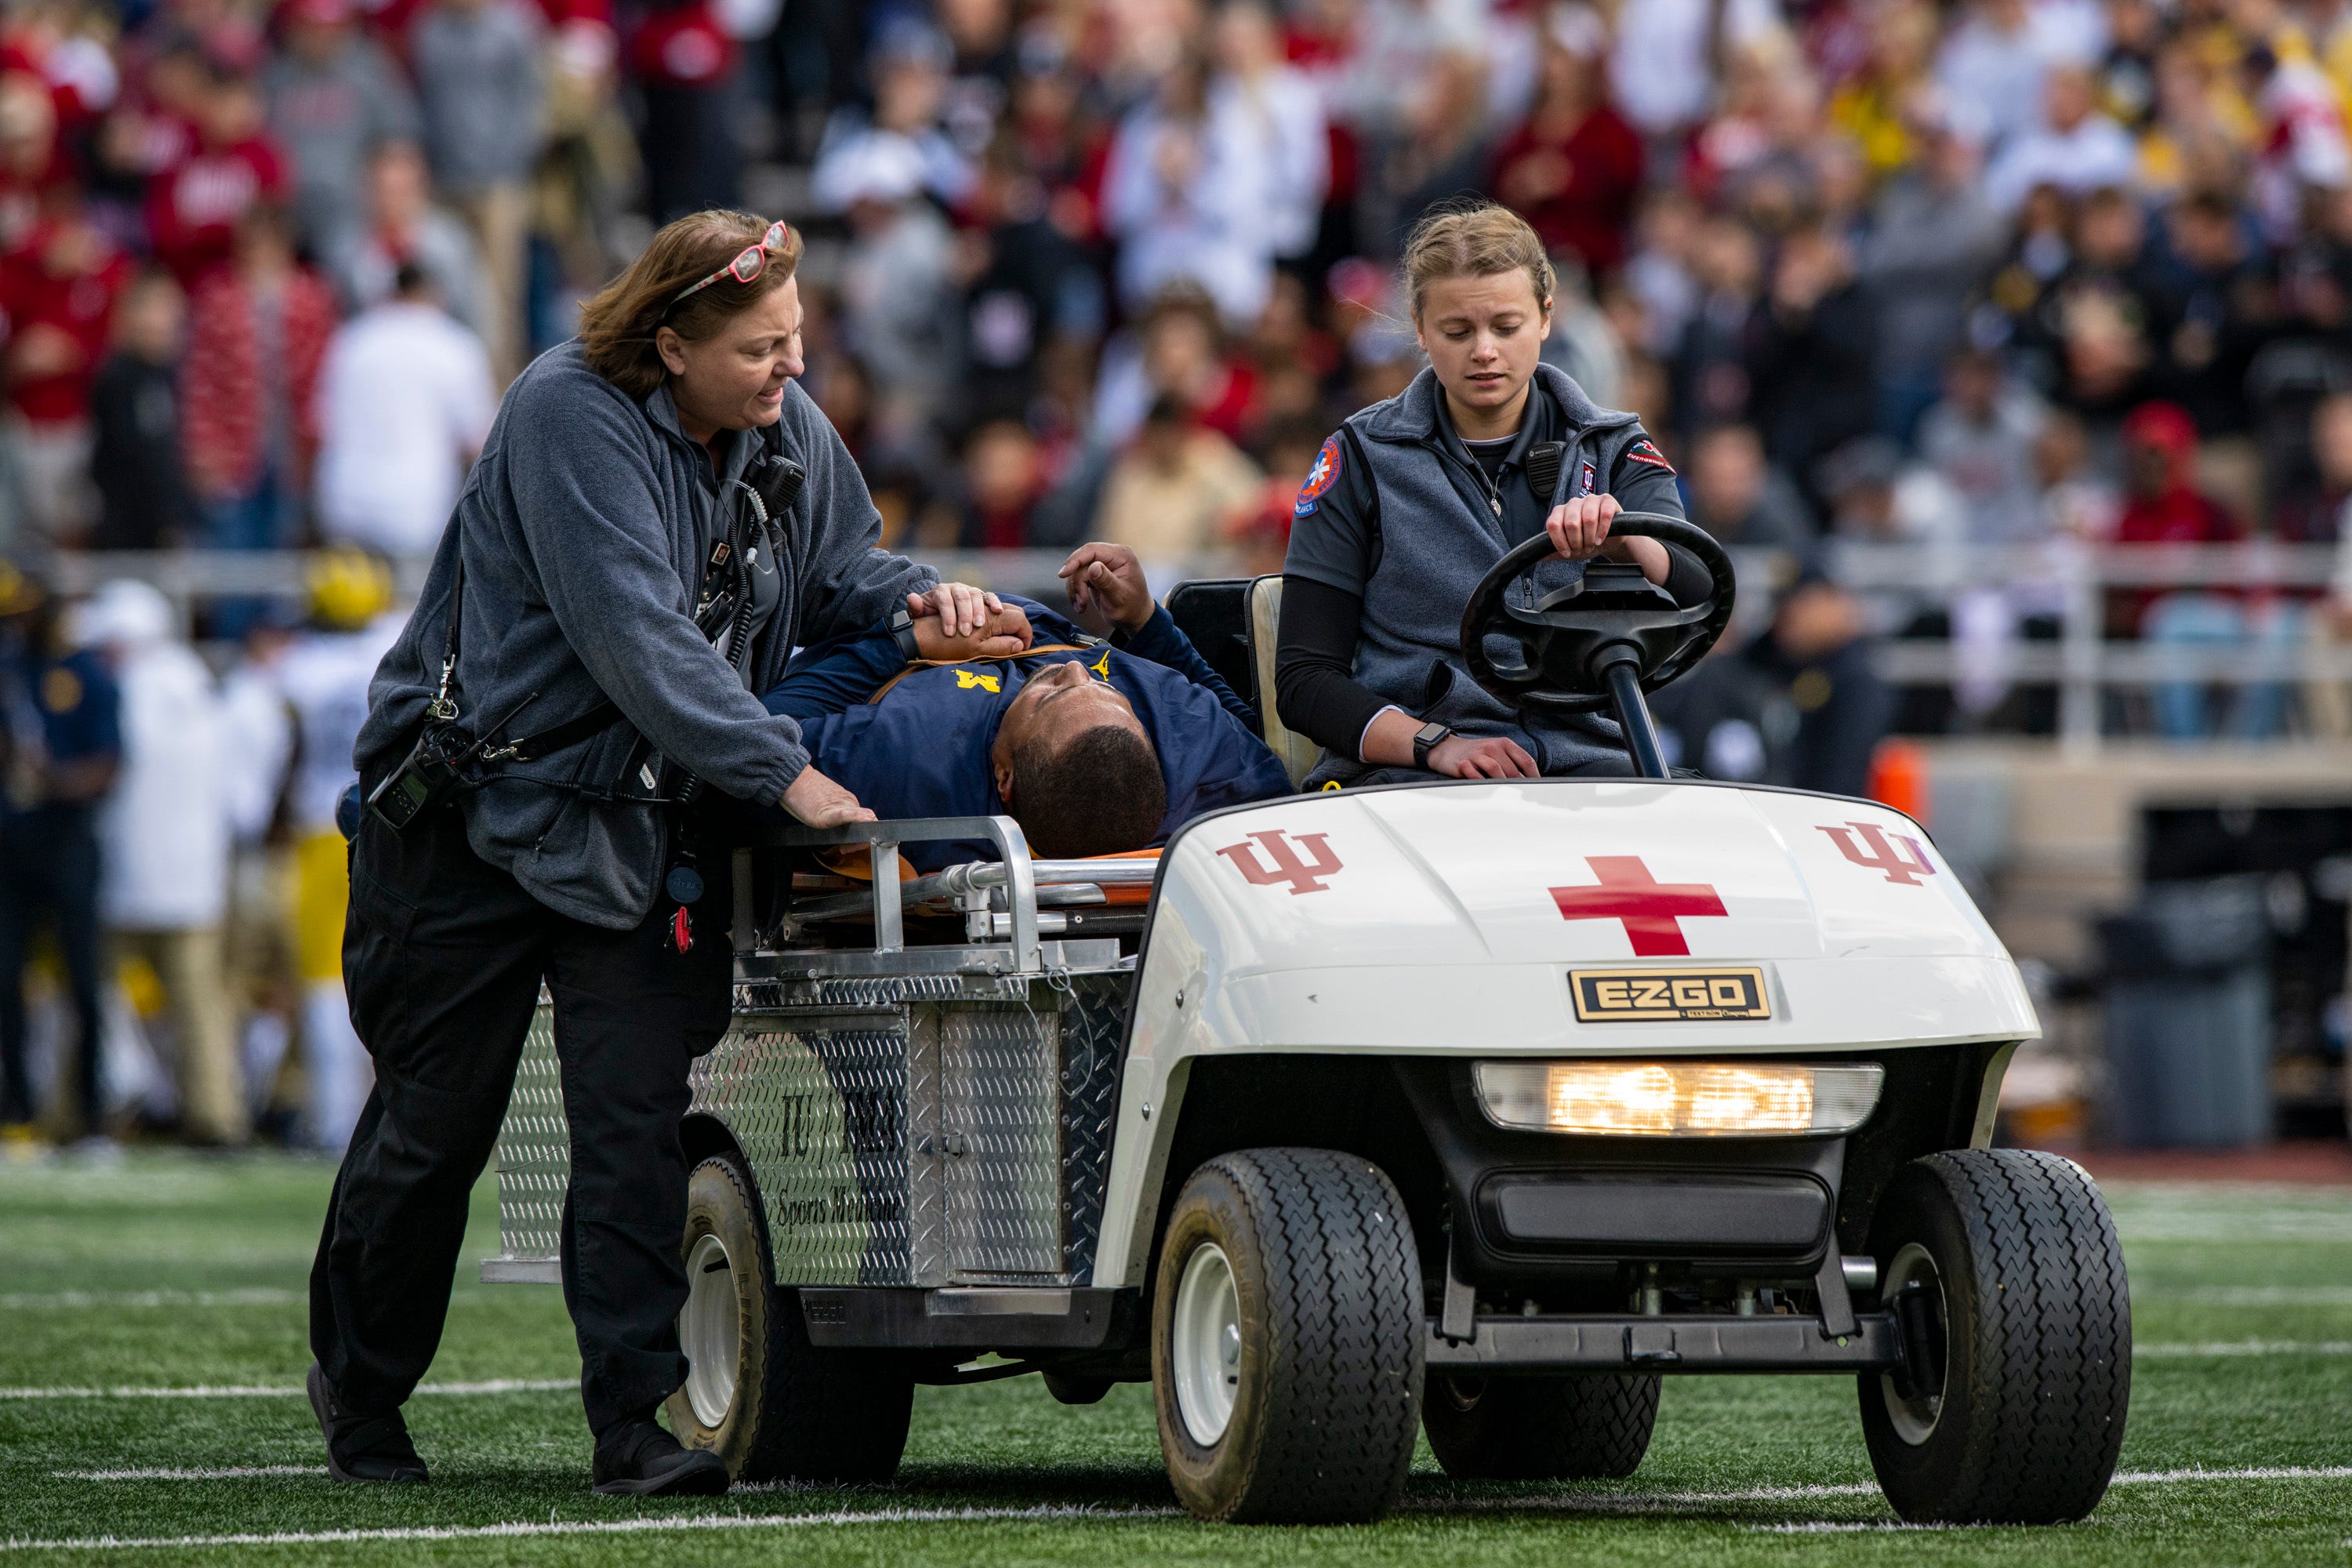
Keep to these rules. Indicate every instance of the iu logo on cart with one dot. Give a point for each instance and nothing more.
(1652, 912)
(1282, 862)
(1879, 852)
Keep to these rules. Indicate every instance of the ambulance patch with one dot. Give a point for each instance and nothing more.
(1644, 451)
(1319, 479)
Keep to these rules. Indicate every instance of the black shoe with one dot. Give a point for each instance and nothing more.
(637, 1458)
(364, 1448)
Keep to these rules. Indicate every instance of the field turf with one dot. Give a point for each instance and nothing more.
(181, 1274)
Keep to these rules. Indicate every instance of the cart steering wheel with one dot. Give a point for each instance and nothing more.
(1571, 642)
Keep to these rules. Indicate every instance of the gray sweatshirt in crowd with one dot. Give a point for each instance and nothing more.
(584, 527)
(478, 75)
(330, 117)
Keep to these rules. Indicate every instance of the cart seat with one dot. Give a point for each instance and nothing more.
(1295, 752)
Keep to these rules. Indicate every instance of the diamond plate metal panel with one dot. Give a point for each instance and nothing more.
(1093, 1028)
(534, 1150)
(817, 1103)
(901, 1132)
(756, 995)
(1000, 1081)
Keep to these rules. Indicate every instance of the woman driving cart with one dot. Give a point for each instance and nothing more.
(1414, 500)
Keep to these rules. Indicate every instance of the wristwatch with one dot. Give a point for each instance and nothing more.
(1426, 740)
(902, 627)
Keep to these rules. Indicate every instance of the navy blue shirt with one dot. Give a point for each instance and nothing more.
(69, 707)
(921, 749)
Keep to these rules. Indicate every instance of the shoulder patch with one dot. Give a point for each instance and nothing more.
(1645, 451)
(1319, 479)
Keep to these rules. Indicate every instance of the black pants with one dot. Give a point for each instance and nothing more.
(443, 957)
(49, 860)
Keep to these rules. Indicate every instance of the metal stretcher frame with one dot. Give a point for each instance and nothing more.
(936, 1116)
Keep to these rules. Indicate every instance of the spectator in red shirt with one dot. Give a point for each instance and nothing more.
(58, 293)
(32, 165)
(259, 330)
(194, 209)
(2162, 505)
(1574, 168)
(1003, 476)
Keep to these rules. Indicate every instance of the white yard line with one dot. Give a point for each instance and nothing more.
(2249, 1295)
(217, 1473)
(25, 1302)
(262, 1391)
(2214, 1350)
(2222, 1348)
(1634, 1502)
(590, 1527)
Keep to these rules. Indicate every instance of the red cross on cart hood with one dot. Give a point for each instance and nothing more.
(1453, 918)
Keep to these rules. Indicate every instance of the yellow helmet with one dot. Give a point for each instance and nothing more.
(349, 587)
(19, 593)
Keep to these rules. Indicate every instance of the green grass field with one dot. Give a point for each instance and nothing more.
(186, 1275)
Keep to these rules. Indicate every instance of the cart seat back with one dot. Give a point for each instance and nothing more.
(1297, 753)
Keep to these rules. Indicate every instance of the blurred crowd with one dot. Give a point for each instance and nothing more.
(1983, 276)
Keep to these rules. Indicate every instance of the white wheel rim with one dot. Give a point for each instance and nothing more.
(1204, 1350)
(709, 1330)
(1915, 1418)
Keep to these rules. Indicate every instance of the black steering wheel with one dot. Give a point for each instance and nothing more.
(1570, 642)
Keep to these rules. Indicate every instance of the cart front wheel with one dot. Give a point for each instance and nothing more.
(1286, 1339)
(2003, 1270)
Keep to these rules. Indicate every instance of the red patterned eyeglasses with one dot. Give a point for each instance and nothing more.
(748, 265)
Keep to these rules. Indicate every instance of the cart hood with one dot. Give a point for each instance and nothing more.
(1456, 917)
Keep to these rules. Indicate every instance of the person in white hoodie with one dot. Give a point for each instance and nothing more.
(165, 844)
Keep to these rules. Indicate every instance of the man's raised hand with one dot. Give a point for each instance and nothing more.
(1107, 588)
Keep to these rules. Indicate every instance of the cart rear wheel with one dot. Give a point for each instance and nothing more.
(2003, 1268)
(1539, 1428)
(1286, 1339)
(774, 1406)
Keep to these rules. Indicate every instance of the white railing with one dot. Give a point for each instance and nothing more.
(2064, 578)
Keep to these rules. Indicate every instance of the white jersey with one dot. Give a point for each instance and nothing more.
(165, 828)
(325, 676)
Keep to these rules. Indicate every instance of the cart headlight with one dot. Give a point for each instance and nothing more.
(1676, 1098)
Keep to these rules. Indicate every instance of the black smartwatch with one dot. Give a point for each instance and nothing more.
(1426, 740)
(902, 627)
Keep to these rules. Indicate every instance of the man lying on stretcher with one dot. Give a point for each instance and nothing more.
(1094, 747)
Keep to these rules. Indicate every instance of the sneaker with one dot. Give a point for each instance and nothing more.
(96, 1151)
(637, 1458)
(362, 1447)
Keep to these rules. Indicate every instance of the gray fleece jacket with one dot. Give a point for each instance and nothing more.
(585, 526)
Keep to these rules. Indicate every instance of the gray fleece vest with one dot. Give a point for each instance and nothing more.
(1435, 547)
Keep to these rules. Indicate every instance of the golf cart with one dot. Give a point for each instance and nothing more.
(1467, 1106)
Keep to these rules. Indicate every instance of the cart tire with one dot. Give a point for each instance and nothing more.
(1540, 1429)
(785, 1409)
(1295, 1268)
(2010, 1259)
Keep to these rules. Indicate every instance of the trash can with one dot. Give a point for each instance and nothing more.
(2188, 1012)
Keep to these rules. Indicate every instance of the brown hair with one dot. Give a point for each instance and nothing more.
(617, 326)
(1477, 239)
